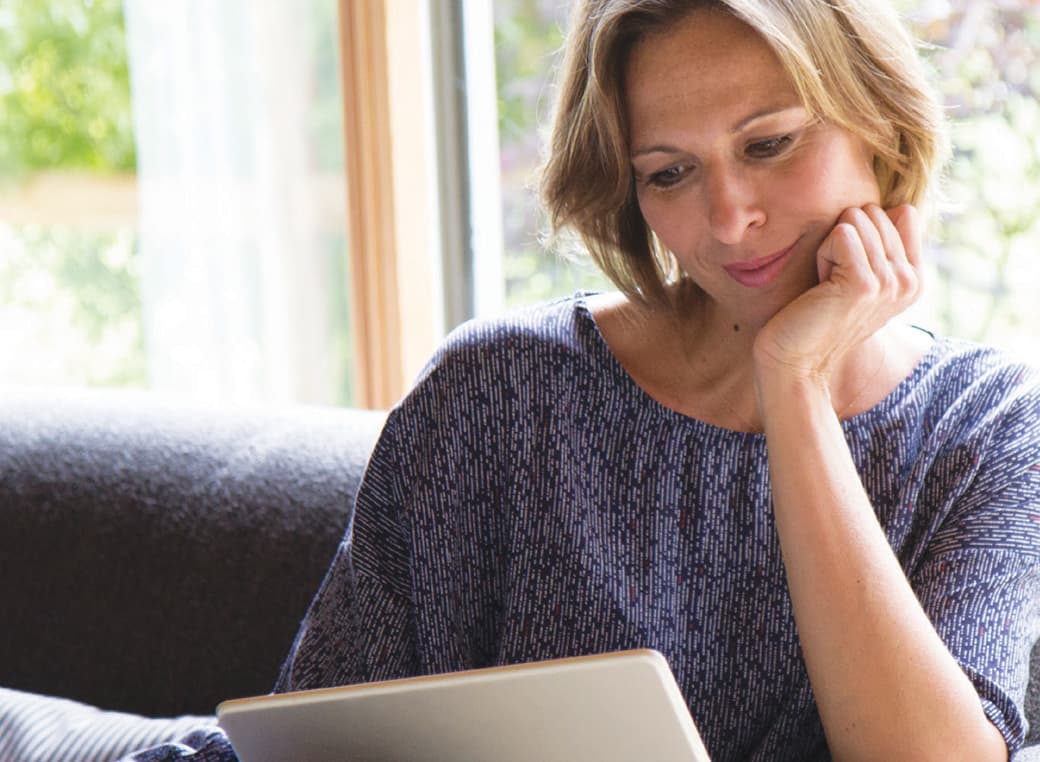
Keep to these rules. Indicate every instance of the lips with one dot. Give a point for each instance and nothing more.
(756, 273)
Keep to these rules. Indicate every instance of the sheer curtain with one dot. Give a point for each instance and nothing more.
(238, 280)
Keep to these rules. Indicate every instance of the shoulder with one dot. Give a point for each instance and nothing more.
(545, 324)
(528, 340)
(486, 370)
(476, 392)
(983, 418)
(978, 409)
(971, 382)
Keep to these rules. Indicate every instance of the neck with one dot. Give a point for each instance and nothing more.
(717, 355)
(702, 367)
(714, 363)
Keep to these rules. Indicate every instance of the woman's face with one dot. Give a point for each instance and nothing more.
(732, 173)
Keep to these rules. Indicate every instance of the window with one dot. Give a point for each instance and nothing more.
(172, 210)
(175, 181)
(70, 300)
(528, 39)
(984, 269)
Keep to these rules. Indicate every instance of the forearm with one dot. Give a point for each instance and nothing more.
(886, 686)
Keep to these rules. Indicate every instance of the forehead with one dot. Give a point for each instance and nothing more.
(710, 67)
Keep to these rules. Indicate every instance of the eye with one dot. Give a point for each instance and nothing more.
(666, 178)
(767, 149)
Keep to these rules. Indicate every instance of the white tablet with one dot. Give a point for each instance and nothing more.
(615, 707)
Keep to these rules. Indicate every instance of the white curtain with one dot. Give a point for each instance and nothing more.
(236, 281)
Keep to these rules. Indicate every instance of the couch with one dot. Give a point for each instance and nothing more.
(156, 558)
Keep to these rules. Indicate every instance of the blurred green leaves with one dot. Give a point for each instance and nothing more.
(986, 60)
(70, 303)
(64, 87)
(528, 41)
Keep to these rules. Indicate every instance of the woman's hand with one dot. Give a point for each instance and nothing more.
(869, 269)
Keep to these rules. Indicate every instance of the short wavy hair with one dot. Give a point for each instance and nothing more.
(851, 61)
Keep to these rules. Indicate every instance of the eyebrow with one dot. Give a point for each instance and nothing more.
(742, 124)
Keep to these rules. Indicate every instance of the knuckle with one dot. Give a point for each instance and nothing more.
(907, 277)
(846, 233)
(849, 216)
(866, 286)
(876, 214)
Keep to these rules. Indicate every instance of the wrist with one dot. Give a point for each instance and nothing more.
(791, 391)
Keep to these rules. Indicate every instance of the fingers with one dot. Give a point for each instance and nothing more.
(867, 265)
(888, 256)
(885, 237)
(907, 222)
(841, 254)
(875, 252)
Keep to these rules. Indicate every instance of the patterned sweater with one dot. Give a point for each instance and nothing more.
(527, 500)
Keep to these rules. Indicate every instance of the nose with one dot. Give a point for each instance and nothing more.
(734, 206)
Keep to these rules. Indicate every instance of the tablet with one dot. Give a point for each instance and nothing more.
(615, 707)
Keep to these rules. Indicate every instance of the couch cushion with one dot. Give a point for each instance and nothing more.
(158, 556)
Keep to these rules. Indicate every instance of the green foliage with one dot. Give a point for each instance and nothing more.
(69, 298)
(986, 62)
(528, 41)
(528, 37)
(64, 87)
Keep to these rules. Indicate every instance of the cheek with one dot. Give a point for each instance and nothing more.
(670, 216)
(649, 206)
(840, 177)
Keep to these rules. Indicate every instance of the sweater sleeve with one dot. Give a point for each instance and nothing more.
(207, 744)
(358, 626)
(980, 579)
(399, 599)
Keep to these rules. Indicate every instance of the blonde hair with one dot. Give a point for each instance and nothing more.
(851, 61)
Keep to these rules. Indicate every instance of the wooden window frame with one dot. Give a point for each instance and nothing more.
(392, 214)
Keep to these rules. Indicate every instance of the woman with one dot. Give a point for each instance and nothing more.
(824, 519)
